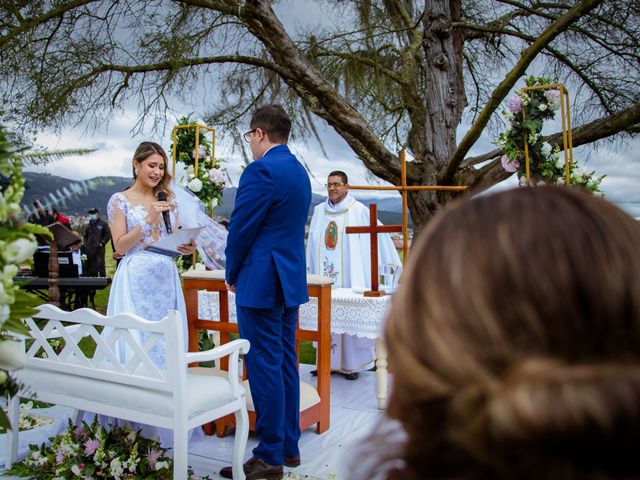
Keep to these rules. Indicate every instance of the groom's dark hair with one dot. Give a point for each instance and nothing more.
(274, 121)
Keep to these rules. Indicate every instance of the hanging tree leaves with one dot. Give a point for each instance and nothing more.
(383, 74)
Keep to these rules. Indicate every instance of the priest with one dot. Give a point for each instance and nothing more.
(346, 258)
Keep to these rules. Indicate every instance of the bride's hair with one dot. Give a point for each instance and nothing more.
(144, 151)
(514, 340)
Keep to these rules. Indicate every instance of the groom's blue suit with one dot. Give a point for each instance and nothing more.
(266, 264)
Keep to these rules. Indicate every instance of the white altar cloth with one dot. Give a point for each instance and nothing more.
(351, 313)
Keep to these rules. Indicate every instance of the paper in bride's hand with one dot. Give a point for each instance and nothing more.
(169, 244)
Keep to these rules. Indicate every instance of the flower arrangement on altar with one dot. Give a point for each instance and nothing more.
(209, 181)
(17, 245)
(526, 114)
(92, 452)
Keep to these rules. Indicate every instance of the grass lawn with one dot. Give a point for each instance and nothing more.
(307, 351)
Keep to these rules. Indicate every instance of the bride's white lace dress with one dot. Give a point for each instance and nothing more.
(145, 283)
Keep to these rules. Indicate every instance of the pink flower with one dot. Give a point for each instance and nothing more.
(90, 446)
(79, 431)
(152, 457)
(60, 454)
(509, 165)
(515, 104)
(216, 176)
(553, 98)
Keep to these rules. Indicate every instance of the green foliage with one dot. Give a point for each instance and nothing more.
(44, 157)
(17, 244)
(526, 116)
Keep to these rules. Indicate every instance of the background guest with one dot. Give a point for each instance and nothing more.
(58, 217)
(96, 237)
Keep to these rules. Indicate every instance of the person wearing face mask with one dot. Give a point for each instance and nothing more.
(95, 238)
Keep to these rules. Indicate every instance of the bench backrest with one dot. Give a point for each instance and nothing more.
(124, 333)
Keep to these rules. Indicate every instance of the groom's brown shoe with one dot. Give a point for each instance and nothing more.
(256, 469)
(292, 461)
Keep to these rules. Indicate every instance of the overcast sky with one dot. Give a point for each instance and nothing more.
(115, 145)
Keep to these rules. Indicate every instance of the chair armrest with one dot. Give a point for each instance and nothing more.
(233, 350)
(240, 345)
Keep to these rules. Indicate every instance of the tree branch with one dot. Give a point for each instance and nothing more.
(34, 22)
(316, 92)
(503, 89)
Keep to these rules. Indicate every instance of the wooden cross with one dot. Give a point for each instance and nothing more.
(403, 189)
(373, 230)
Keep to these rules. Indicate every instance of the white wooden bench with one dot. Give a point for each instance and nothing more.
(136, 389)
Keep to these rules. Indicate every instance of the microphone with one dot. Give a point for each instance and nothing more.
(162, 197)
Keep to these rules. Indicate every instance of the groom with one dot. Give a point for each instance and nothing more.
(266, 269)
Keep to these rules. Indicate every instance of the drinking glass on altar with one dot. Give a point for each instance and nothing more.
(387, 276)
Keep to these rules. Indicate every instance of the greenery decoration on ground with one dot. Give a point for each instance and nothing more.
(92, 452)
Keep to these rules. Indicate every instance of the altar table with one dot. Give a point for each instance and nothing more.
(351, 313)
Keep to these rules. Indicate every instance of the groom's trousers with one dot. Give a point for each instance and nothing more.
(272, 368)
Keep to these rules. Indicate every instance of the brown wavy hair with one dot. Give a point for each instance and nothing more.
(144, 151)
(514, 340)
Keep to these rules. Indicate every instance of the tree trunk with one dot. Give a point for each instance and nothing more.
(445, 102)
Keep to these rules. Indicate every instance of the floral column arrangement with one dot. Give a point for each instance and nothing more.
(204, 175)
(17, 245)
(527, 111)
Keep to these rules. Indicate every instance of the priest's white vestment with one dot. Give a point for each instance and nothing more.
(347, 259)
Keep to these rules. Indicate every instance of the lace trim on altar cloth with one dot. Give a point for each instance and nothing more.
(351, 313)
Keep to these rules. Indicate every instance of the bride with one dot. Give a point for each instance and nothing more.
(147, 283)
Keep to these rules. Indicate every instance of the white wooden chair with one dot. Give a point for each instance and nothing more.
(135, 389)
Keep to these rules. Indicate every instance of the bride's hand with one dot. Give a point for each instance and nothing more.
(157, 208)
(187, 248)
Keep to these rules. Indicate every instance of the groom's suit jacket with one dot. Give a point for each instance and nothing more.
(265, 246)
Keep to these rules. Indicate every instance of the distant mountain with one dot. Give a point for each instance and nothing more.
(72, 197)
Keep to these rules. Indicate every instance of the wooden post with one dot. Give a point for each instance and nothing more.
(373, 230)
(403, 189)
(54, 269)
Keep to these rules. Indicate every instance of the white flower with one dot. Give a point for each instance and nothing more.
(4, 298)
(546, 149)
(214, 202)
(559, 162)
(190, 171)
(542, 107)
(76, 470)
(20, 250)
(523, 181)
(195, 185)
(161, 465)
(116, 468)
(580, 173)
(5, 311)
(560, 181)
(8, 272)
